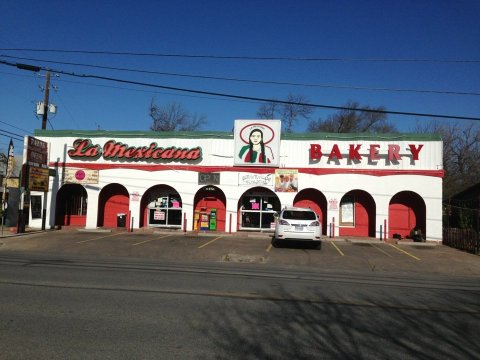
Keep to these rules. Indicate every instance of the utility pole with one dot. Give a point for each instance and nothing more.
(45, 101)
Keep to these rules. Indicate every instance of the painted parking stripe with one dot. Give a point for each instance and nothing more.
(381, 250)
(405, 252)
(211, 241)
(336, 247)
(269, 248)
(98, 238)
(143, 242)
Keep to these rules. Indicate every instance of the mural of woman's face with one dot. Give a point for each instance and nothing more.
(256, 137)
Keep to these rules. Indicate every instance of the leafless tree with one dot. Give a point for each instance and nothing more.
(289, 111)
(461, 154)
(354, 119)
(174, 117)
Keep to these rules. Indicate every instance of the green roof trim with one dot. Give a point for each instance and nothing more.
(228, 135)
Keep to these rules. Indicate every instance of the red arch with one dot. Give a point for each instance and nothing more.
(113, 200)
(211, 197)
(364, 215)
(405, 211)
(315, 200)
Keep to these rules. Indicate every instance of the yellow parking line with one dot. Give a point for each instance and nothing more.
(336, 247)
(381, 250)
(269, 248)
(403, 251)
(98, 238)
(211, 241)
(143, 242)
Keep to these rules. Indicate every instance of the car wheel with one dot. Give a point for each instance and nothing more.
(275, 243)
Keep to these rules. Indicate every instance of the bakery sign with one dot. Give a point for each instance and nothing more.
(80, 176)
(84, 149)
(357, 152)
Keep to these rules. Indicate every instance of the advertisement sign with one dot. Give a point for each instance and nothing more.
(37, 179)
(80, 176)
(37, 151)
(286, 180)
(255, 179)
(257, 142)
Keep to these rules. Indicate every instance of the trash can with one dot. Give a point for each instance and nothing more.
(121, 220)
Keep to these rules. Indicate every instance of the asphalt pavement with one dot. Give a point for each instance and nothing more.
(339, 254)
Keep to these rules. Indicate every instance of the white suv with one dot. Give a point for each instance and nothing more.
(295, 223)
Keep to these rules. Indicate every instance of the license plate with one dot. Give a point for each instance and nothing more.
(299, 228)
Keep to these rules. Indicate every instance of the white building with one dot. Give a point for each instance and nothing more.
(359, 184)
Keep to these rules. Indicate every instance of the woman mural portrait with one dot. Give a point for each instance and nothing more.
(256, 151)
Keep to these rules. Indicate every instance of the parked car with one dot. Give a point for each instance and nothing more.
(297, 224)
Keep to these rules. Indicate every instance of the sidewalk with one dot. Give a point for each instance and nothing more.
(11, 232)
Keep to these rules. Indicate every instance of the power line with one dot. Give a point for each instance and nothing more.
(3, 122)
(253, 81)
(233, 96)
(244, 57)
(11, 135)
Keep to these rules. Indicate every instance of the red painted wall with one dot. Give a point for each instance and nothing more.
(114, 199)
(75, 220)
(364, 216)
(406, 210)
(402, 220)
(212, 200)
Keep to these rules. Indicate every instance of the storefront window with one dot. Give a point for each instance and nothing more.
(257, 212)
(165, 210)
(347, 211)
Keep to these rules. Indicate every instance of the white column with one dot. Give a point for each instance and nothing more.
(92, 207)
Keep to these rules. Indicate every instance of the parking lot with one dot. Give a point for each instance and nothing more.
(337, 254)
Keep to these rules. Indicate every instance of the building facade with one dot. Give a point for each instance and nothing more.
(359, 184)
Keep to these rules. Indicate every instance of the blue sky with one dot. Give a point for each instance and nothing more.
(432, 30)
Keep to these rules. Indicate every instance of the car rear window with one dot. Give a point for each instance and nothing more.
(299, 215)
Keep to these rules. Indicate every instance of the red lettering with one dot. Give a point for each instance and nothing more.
(353, 153)
(168, 153)
(84, 148)
(157, 153)
(335, 153)
(374, 152)
(315, 152)
(113, 149)
(415, 151)
(393, 152)
(194, 154)
(152, 147)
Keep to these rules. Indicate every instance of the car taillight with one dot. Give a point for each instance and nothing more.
(315, 223)
(283, 222)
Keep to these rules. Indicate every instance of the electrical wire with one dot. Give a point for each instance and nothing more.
(11, 135)
(243, 57)
(252, 81)
(233, 96)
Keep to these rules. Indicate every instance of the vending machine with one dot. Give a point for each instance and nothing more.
(213, 219)
(204, 224)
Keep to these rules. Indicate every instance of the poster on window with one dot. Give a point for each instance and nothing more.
(286, 180)
(257, 142)
(347, 211)
(159, 215)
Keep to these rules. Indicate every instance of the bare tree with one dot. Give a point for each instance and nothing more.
(461, 154)
(354, 119)
(289, 110)
(174, 117)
